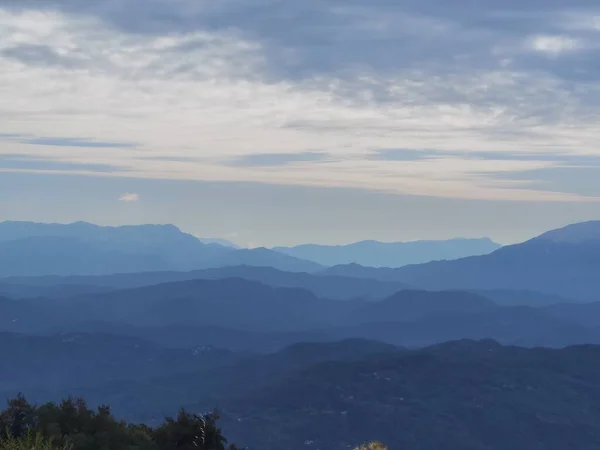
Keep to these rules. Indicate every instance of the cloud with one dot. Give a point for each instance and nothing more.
(65, 141)
(38, 55)
(267, 91)
(25, 162)
(560, 159)
(129, 198)
(275, 159)
(554, 45)
(71, 142)
(403, 154)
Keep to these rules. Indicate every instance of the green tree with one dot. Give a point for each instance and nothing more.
(190, 431)
(17, 419)
(72, 425)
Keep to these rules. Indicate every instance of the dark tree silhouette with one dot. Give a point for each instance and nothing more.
(71, 424)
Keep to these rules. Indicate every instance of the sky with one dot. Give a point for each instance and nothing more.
(271, 122)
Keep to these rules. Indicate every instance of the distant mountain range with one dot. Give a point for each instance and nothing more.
(556, 267)
(82, 248)
(245, 314)
(324, 286)
(510, 295)
(393, 254)
(563, 262)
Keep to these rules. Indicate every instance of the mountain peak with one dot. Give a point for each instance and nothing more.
(574, 234)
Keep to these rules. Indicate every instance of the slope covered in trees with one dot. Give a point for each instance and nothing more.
(471, 395)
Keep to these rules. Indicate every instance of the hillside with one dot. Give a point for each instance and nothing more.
(69, 359)
(562, 262)
(236, 303)
(476, 395)
(463, 395)
(410, 305)
(36, 249)
(148, 396)
(247, 315)
(229, 303)
(331, 287)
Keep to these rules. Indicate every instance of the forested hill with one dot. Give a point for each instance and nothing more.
(467, 395)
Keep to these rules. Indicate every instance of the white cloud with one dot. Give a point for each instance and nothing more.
(192, 100)
(129, 197)
(554, 45)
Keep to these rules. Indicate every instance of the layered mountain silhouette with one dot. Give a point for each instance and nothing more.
(562, 262)
(150, 319)
(390, 254)
(235, 303)
(330, 287)
(246, 315)
(28, 248)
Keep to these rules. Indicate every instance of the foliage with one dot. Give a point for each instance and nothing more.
(29, 441)
(72, 425)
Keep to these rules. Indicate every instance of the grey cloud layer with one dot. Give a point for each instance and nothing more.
(320, 36)
(226, 89)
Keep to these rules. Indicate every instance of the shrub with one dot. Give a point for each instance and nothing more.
(29, 441)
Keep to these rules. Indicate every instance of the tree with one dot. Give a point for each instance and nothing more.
(190, 431)
(17, 419)
(73, 425)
